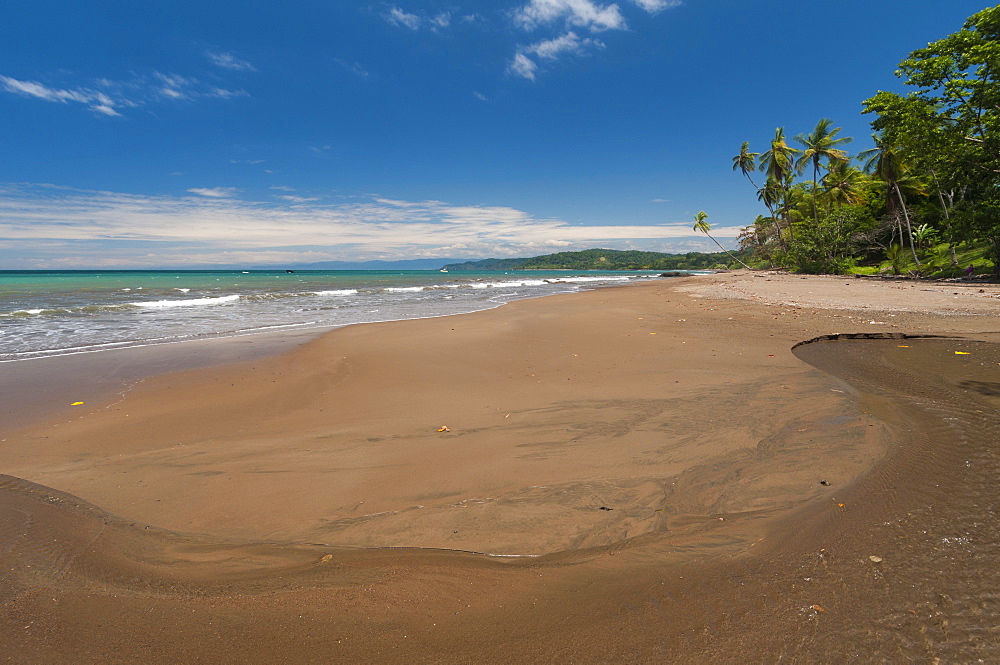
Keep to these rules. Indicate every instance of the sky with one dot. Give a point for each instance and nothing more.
(194, 134)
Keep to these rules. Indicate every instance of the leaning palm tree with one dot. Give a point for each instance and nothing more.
(701, 224)
(821, 143)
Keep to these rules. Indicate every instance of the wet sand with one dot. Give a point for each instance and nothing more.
(677, 482)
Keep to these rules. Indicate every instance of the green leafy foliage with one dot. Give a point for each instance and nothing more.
(929, 188)
(602, 259)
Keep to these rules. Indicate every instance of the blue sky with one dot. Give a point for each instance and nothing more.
(182, 134)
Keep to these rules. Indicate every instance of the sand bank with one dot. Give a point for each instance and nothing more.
(656, 449)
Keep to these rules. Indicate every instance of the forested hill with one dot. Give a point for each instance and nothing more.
(600, 259)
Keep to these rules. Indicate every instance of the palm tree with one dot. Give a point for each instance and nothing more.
(700, 224)
(779, 165)
(885, 163)
(819, 144)
(844, 184)
(746, 162)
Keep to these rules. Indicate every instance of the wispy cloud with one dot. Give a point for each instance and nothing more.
(398, 17)
(292, 198)
(353, 67)
(229, 61)
(550, 49)
(108, 97)
(523, 66)
(95, 100)
(168, 229)
(215, 192)
(442, 20)
(653, 6)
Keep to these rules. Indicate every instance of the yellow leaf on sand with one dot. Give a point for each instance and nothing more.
(76, 403)
(961, 353)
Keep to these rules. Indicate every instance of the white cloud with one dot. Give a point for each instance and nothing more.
(396, 203)
(567, 16)
(215, 192)
(59, 219)
(116, 95)
(353, 67)
(291, 198)
(480, 96)
(94, 100)
(223, 93)
(653, 6)
(579, 13)
(551, 49)
(230, 61)
(397, 16)
(523, 66)
(442, 20)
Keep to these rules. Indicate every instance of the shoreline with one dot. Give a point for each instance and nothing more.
(43, 387)
(660, 440)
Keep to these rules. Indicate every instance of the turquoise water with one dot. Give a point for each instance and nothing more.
(46, 313)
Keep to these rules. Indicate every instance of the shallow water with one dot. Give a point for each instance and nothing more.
(51, 313)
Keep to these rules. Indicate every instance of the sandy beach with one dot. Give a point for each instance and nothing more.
(640, 474)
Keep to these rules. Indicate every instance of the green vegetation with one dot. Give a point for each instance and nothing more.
(602, 259)
(924, 201)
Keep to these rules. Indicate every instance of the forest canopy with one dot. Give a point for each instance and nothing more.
(923, 201)
(601, 259)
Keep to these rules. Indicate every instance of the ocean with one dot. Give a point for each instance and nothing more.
(52, 313)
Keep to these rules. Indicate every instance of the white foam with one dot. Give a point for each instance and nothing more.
(194, 302)
(607, 278)
(510, 284)
(403, 289)
(338, 292)
(182, 290)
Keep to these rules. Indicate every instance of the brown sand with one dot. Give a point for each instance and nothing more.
(746, 489)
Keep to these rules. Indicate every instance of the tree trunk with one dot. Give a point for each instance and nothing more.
(815, 191)
(728, 252)
(909, 229)
(947, 217)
